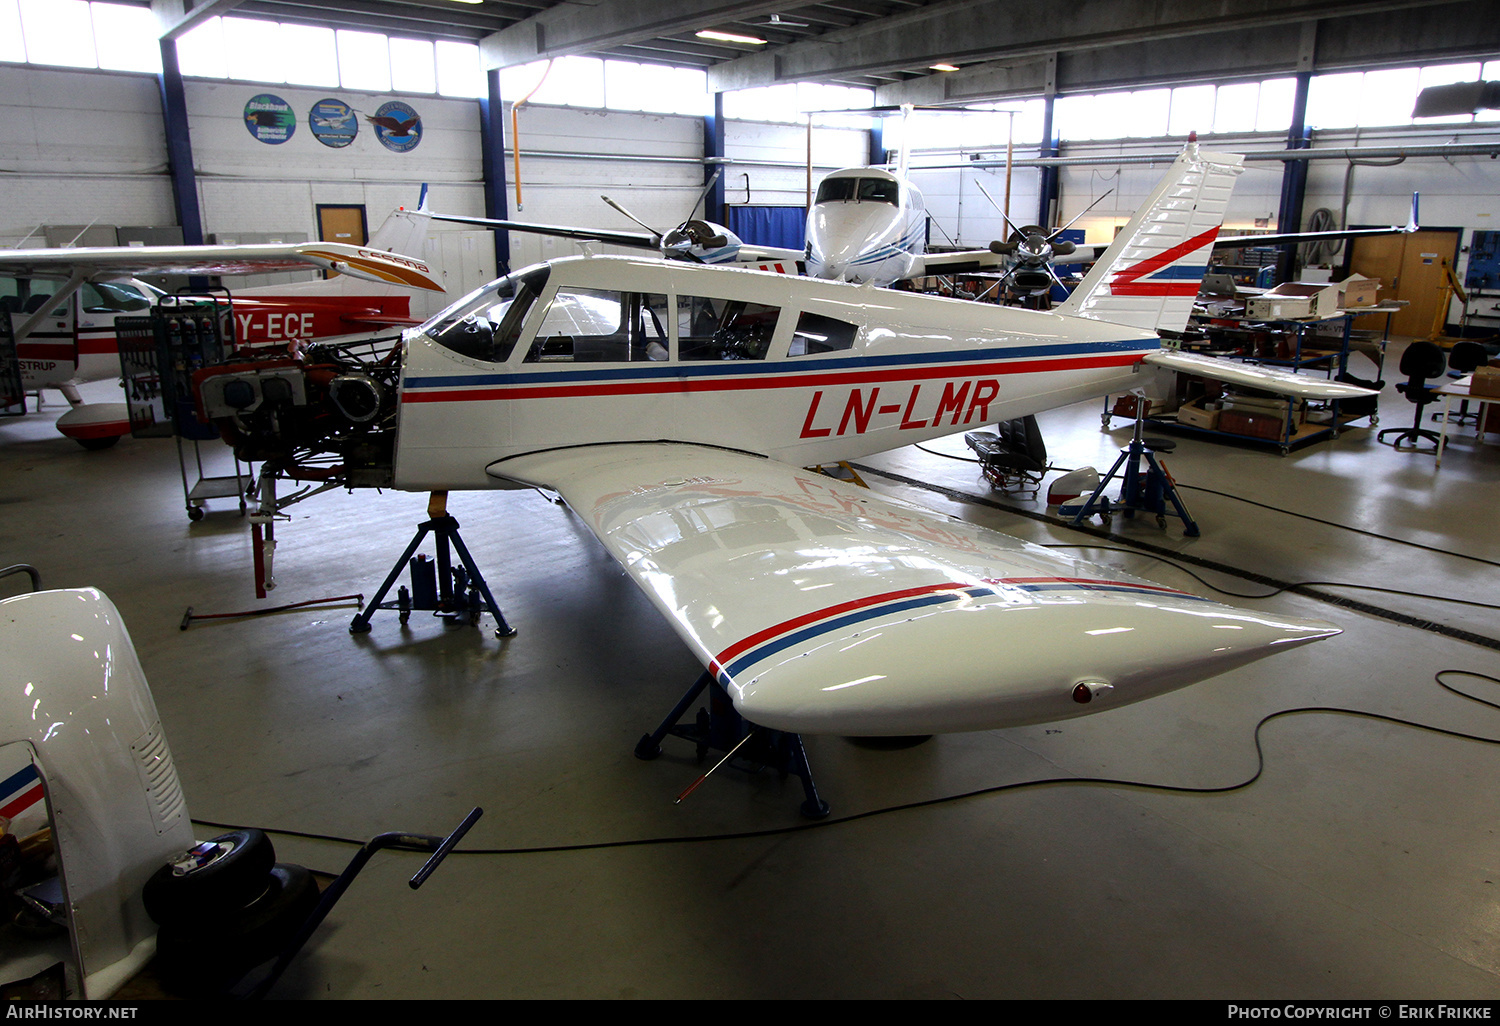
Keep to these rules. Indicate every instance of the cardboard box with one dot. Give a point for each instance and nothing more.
(1486, 381)
(1360, 291)
(1198, 417)
(1295, 301)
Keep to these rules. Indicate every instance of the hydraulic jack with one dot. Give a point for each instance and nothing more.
(1149, 491)
(721, 728)
(457, 592)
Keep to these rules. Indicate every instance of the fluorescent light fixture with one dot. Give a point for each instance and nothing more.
(943, 67)
(729, 37)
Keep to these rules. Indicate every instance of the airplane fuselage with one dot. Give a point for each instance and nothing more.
(801, 370)
(866, 225)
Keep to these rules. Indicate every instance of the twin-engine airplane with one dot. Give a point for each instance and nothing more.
(63, 304)
(672, 406)
(867, 225)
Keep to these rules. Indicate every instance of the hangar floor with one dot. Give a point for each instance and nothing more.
(1363, 862)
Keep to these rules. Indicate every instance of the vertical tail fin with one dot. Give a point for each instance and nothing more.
(1149, 276)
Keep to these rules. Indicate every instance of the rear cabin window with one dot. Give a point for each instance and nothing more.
(724, 329)
(602, 326)
(818, 334)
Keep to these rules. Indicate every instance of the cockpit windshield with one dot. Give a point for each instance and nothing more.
(484, 325)
(863, 190)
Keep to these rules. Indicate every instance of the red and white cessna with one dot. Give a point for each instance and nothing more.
(672, 405)
(63, 304)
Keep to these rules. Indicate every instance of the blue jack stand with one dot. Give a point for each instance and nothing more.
(722, 729)
(457, 592)
(1149, 491)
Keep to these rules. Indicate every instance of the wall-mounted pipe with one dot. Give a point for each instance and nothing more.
(1331, 153)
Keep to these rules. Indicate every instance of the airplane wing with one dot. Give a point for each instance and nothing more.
(102, 263)
(1289, 238)
(747, 254)
(635, 240)
(962, 261)
(825, 608)
(1267, 379)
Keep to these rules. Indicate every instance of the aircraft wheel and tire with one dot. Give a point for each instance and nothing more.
(209, 953)
(97, 444)
(228, 870)
(895, 743)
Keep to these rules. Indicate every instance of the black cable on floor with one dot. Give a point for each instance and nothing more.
(1111, 782)
(1249, 502)
(1457, 633)
(1275, 592)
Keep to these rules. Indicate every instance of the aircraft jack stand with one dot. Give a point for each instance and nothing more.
(1148, 491)
(455, 591)
(722, 729)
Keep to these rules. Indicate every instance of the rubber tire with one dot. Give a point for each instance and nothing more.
(97, 444)
(227, 884)
(210, 955)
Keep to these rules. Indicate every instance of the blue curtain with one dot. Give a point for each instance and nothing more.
(783, 227)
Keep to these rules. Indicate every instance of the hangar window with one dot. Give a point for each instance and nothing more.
(724, 329)
(484, 325)
(601, 326)
(817, 334)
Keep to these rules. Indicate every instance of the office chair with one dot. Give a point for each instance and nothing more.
(1464, 358)
(1421, 362)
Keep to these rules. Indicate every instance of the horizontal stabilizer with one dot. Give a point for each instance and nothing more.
(1267, 379)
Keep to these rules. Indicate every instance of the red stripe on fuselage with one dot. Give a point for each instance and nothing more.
(751, 382)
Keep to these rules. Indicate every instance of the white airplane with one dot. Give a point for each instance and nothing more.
(866, 225)
(672, 406)
(64, 302)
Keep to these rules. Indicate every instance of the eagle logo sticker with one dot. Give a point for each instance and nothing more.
(397, 126)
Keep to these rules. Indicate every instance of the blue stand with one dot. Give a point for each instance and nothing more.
(1150, 491)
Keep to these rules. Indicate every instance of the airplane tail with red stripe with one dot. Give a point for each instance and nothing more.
(1150, 275)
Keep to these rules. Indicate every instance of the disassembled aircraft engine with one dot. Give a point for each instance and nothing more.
(320, 412)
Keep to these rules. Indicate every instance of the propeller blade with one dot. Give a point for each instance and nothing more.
(637, 220)
(704, 194)
(1086, 209)
(1008, 222)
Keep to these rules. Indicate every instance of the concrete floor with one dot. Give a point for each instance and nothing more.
(1363, 863)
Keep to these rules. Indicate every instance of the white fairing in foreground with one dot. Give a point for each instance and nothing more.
(75, 693)
(824, 608)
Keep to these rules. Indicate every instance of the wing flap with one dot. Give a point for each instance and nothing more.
(1267, 379)
(825, 608)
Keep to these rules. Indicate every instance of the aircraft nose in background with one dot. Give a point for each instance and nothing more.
(1009, 660)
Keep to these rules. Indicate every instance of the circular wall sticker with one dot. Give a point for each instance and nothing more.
(397, 126)
(333, 123)
(270, 119)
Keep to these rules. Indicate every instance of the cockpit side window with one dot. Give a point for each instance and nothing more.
(601, 326)
(484, 325)
(817, 334)
(724, 329)
(112, 297)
